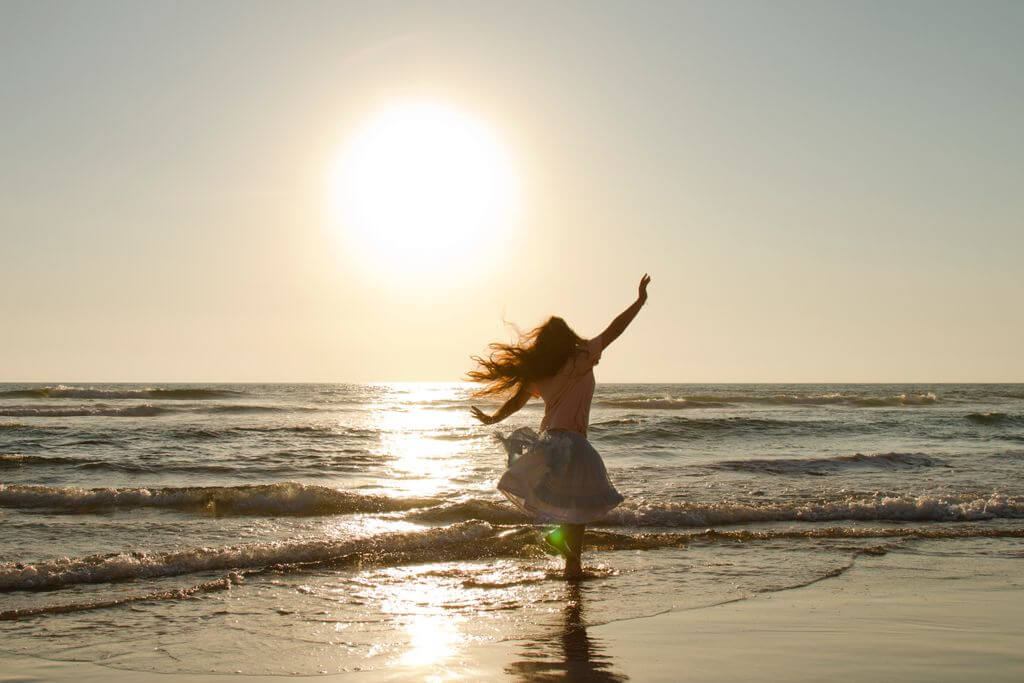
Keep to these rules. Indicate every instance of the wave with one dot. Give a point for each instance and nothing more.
(492, 511)
(304, 499)
(681, 427)
(995, 419)
(144, 410)
(19, 459)
(604, 424)
(822, 466)
(839, 532)
(64, 391)
(895, 400)
(908, 508)
(326, 430)
(467, 540)
(661, 403)
(288, 498)
(1009, 394)
(712, 401)
(241, 408)
(295, 464)
(905, 508)
(224, 583)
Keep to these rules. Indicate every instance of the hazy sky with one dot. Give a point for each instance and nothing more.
(820, 191)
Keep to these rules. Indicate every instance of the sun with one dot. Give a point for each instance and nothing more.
(419, 186)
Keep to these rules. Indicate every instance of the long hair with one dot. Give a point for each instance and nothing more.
(538, 354)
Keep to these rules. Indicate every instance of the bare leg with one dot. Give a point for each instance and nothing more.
(574, 544)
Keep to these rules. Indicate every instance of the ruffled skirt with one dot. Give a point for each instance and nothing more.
(557, 477)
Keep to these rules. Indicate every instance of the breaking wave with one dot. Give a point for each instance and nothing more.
(839, 532)
(463, 541)
(876, 508)
(457, 541)
(291, 498)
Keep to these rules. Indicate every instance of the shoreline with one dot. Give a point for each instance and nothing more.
(899, 616)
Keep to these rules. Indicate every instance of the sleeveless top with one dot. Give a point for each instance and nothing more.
(567, 394)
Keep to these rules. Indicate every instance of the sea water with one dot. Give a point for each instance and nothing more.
(308, 528)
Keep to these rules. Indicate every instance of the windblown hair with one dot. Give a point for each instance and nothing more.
(540, 353)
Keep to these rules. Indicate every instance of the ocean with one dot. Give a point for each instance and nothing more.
(323, 528)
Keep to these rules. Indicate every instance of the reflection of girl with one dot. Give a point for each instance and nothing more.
(561, 478)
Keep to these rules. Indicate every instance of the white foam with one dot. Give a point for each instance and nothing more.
(908, 508)
(137, 565)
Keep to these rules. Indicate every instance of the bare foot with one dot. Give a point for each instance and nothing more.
(573, 570)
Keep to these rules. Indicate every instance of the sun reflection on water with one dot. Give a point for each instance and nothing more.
(432, 638)
(426, 437)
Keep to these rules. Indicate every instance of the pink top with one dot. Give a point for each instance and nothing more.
(567, 393)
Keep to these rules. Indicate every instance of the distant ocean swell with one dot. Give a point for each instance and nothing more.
(328, 431)
(714, 401)
(824, 466)
(636, 402)
(20, 460)
(337, 463)
(63, 391)
(672, 428)
(142, 410)
(996, 419)
(258, 499)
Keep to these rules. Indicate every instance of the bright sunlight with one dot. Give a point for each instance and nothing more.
(419, 186)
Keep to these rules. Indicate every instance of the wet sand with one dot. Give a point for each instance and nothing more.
(900, 616)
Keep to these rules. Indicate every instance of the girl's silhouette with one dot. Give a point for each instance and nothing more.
(558, 477)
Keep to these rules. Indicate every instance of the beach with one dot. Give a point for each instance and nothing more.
(893, 617)
(353, 531)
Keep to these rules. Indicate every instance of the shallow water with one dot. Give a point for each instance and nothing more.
(325, 528)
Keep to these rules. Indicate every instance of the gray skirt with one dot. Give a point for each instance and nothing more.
(557, 477)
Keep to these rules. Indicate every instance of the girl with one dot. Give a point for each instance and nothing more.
(562, 478)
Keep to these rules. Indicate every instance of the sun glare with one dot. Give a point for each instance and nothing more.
(419, 186)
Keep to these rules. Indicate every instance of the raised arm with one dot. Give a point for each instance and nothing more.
(517, 401)
(622, 321)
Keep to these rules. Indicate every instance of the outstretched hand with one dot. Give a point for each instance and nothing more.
(481, 415)
(644, 281)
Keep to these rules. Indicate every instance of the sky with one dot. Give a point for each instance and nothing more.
(821, 191)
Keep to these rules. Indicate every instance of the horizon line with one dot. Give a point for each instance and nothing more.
(431, 381)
